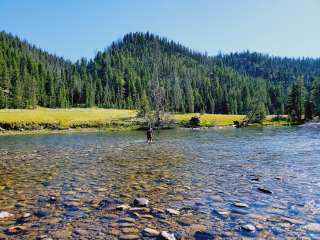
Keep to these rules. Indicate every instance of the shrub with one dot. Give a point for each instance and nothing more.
(194, 121)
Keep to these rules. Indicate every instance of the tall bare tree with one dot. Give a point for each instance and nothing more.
(157, 92)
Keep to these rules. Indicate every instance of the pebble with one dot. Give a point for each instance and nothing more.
(197, 228)
(185, 222)
(125, 225)
(292, 220)
(122, 207)
(129, 230)
(16, 229)
(127, 219)
(139, 209)
(150, 232)
(80, 232)
(114, 232)
(202, 235)
(41, 213)
(240, 205)
(141, 202)
(263, 190)
(128, 237)
(4, 214)
(173, 211)
(27, 215)
(167, 236)
(222, 212)
(157, 210)
(313, 227)
(248, 227)
(147, 216)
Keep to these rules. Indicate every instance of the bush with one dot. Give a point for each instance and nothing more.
(194, 122)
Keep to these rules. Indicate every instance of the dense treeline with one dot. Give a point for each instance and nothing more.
(126, 74)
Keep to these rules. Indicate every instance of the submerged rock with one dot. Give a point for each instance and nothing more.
(127, 219)
(150, 232)
(263, 190)
(130, 230)
(292, 220)
(27, 215)
(172, 211)
(4, 214)
(167, 236)
(128, 237)
(248, 227)
(41, 213)
(107, 202)
(203, 235)
(141, 202)
(221, 212)
(240, 205)
(313, 227)
(139, 209)
(122, 207)
(197, 228)
(16, 229)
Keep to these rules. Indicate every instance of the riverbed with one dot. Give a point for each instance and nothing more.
(201, 184)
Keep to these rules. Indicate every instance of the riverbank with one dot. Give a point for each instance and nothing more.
(43, 120)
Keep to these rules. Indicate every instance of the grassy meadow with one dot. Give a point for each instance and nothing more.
(65, 118)
(85, 118)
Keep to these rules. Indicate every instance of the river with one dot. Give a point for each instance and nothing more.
(221, 183)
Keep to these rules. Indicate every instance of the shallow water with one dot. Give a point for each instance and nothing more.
(72, 183)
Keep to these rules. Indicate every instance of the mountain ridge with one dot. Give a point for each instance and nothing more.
(120, 76)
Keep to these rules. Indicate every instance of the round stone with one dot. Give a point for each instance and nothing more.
(240, 205)
(150, 232)
(173, 211)
(4, 214)
(128, 237)
(167, 236)
(141, 202)
(249, 227)
(313, 227)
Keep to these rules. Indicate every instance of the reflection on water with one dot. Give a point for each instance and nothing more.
(68, 186)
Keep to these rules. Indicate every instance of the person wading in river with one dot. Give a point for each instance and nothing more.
(149, 135)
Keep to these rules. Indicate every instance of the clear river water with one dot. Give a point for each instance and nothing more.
(222, 183)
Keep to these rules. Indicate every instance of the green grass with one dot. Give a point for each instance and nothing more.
(228, 119)
(210, 119)
(95, 118)
(65, 118)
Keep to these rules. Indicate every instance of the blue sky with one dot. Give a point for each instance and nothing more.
(79, 28)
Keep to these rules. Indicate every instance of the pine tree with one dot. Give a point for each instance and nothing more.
(315, 95)
(296, 100)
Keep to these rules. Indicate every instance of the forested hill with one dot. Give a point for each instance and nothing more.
(276, 69)
(127, 73)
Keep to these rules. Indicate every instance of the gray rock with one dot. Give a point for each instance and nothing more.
(248, 228)
(313, 227)
(27, 215)
(172, 211)
(167, 236)
(141, 202)
(263, 190)
(150, 232)
(122, 207)
(4, 214)
(240, 205)
(292, 220)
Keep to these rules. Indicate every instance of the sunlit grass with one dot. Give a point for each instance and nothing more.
(276, 121)
(210, 119)
(44, 118)
(65, 118)
(227, 119)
